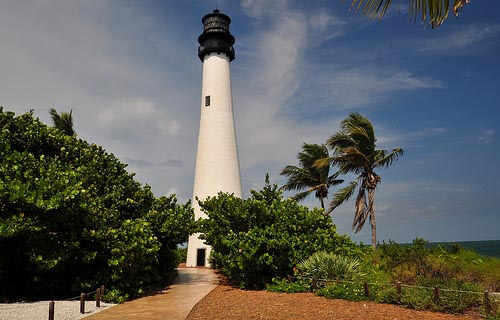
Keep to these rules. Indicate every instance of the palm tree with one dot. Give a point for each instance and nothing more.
(306, 175)
(63, 122)
(354, 151)
(436, 10)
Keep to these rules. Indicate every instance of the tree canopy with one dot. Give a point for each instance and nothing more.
(355, 151)
(72, 218)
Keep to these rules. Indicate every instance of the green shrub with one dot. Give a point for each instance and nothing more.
(347, 291)
(265, 236)
(329, 266)
(417, 298)
(417, 263)
(283, 285)
(383, 294)
(458, 302)
(72, 218)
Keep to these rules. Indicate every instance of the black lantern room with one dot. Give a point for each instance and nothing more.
(216, 36)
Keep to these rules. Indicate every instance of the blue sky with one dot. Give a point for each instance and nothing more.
(130, 72)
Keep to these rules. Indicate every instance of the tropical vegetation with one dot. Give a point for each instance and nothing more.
(63, 121)
(72, 218)
(355, 151)
(265, 236)
(434, 12)
(330, 266)
(310, 177)
(460, 274)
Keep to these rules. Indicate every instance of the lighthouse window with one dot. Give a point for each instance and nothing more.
(207, 101)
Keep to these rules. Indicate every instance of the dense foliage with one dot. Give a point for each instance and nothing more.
(72, 218)
(436, 266)
(329, 266)
(266, 236)
(420, 268)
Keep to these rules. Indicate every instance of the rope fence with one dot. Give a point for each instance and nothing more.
(315, 283)
(99, 292)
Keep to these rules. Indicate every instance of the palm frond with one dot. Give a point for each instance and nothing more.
(299, 178)
(360, 134)
(387, 159)
(322, 163)
(56, 119)
(310, 153)
(301, 195)
(355, 121)
(434, 10)
(340, 140)
(63, 121)
(343, 195)
(353, 156)
(333, 182)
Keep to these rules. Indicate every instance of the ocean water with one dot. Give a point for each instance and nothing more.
(486, 248)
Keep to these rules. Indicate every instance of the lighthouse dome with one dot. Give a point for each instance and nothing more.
(216, 36)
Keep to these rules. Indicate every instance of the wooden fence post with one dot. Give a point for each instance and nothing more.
(487, 304)
(436, 294)
(314, 284)
(98, 297)
(398, 290)
(51, 310)
(82, 303)
(367, 290)
(102, 293)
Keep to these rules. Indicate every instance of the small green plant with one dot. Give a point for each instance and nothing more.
(383, 294)
(417, 298)
(347, 291)
(283, 285)
(330, 266)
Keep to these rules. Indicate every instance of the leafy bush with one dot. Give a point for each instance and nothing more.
(329, 266)
(72, 218)
(347, 291)
(458, 302)
(383, 294)
(418, 264)
(265, 236)
(416, 298)
(283, 285)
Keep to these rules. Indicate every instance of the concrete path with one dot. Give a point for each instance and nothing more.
(172, 303)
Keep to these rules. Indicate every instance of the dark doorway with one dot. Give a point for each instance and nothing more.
(200, 257)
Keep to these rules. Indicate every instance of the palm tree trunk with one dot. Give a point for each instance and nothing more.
(371, 208)
(322, 203)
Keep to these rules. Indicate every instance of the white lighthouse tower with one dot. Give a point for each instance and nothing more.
(217, 164)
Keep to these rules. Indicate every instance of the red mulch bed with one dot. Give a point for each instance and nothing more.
(226, 302)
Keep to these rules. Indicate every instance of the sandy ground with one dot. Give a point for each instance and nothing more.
(63, 310)
(226, 302)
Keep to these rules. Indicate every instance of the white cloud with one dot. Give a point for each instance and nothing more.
(470, 37)
(387, 138)
(486, 136)
(140, 119)
(262, 8)
(361, 87)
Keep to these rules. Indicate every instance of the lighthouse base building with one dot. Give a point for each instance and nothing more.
(217, 165)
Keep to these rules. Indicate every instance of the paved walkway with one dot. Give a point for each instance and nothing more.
(172, 303)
